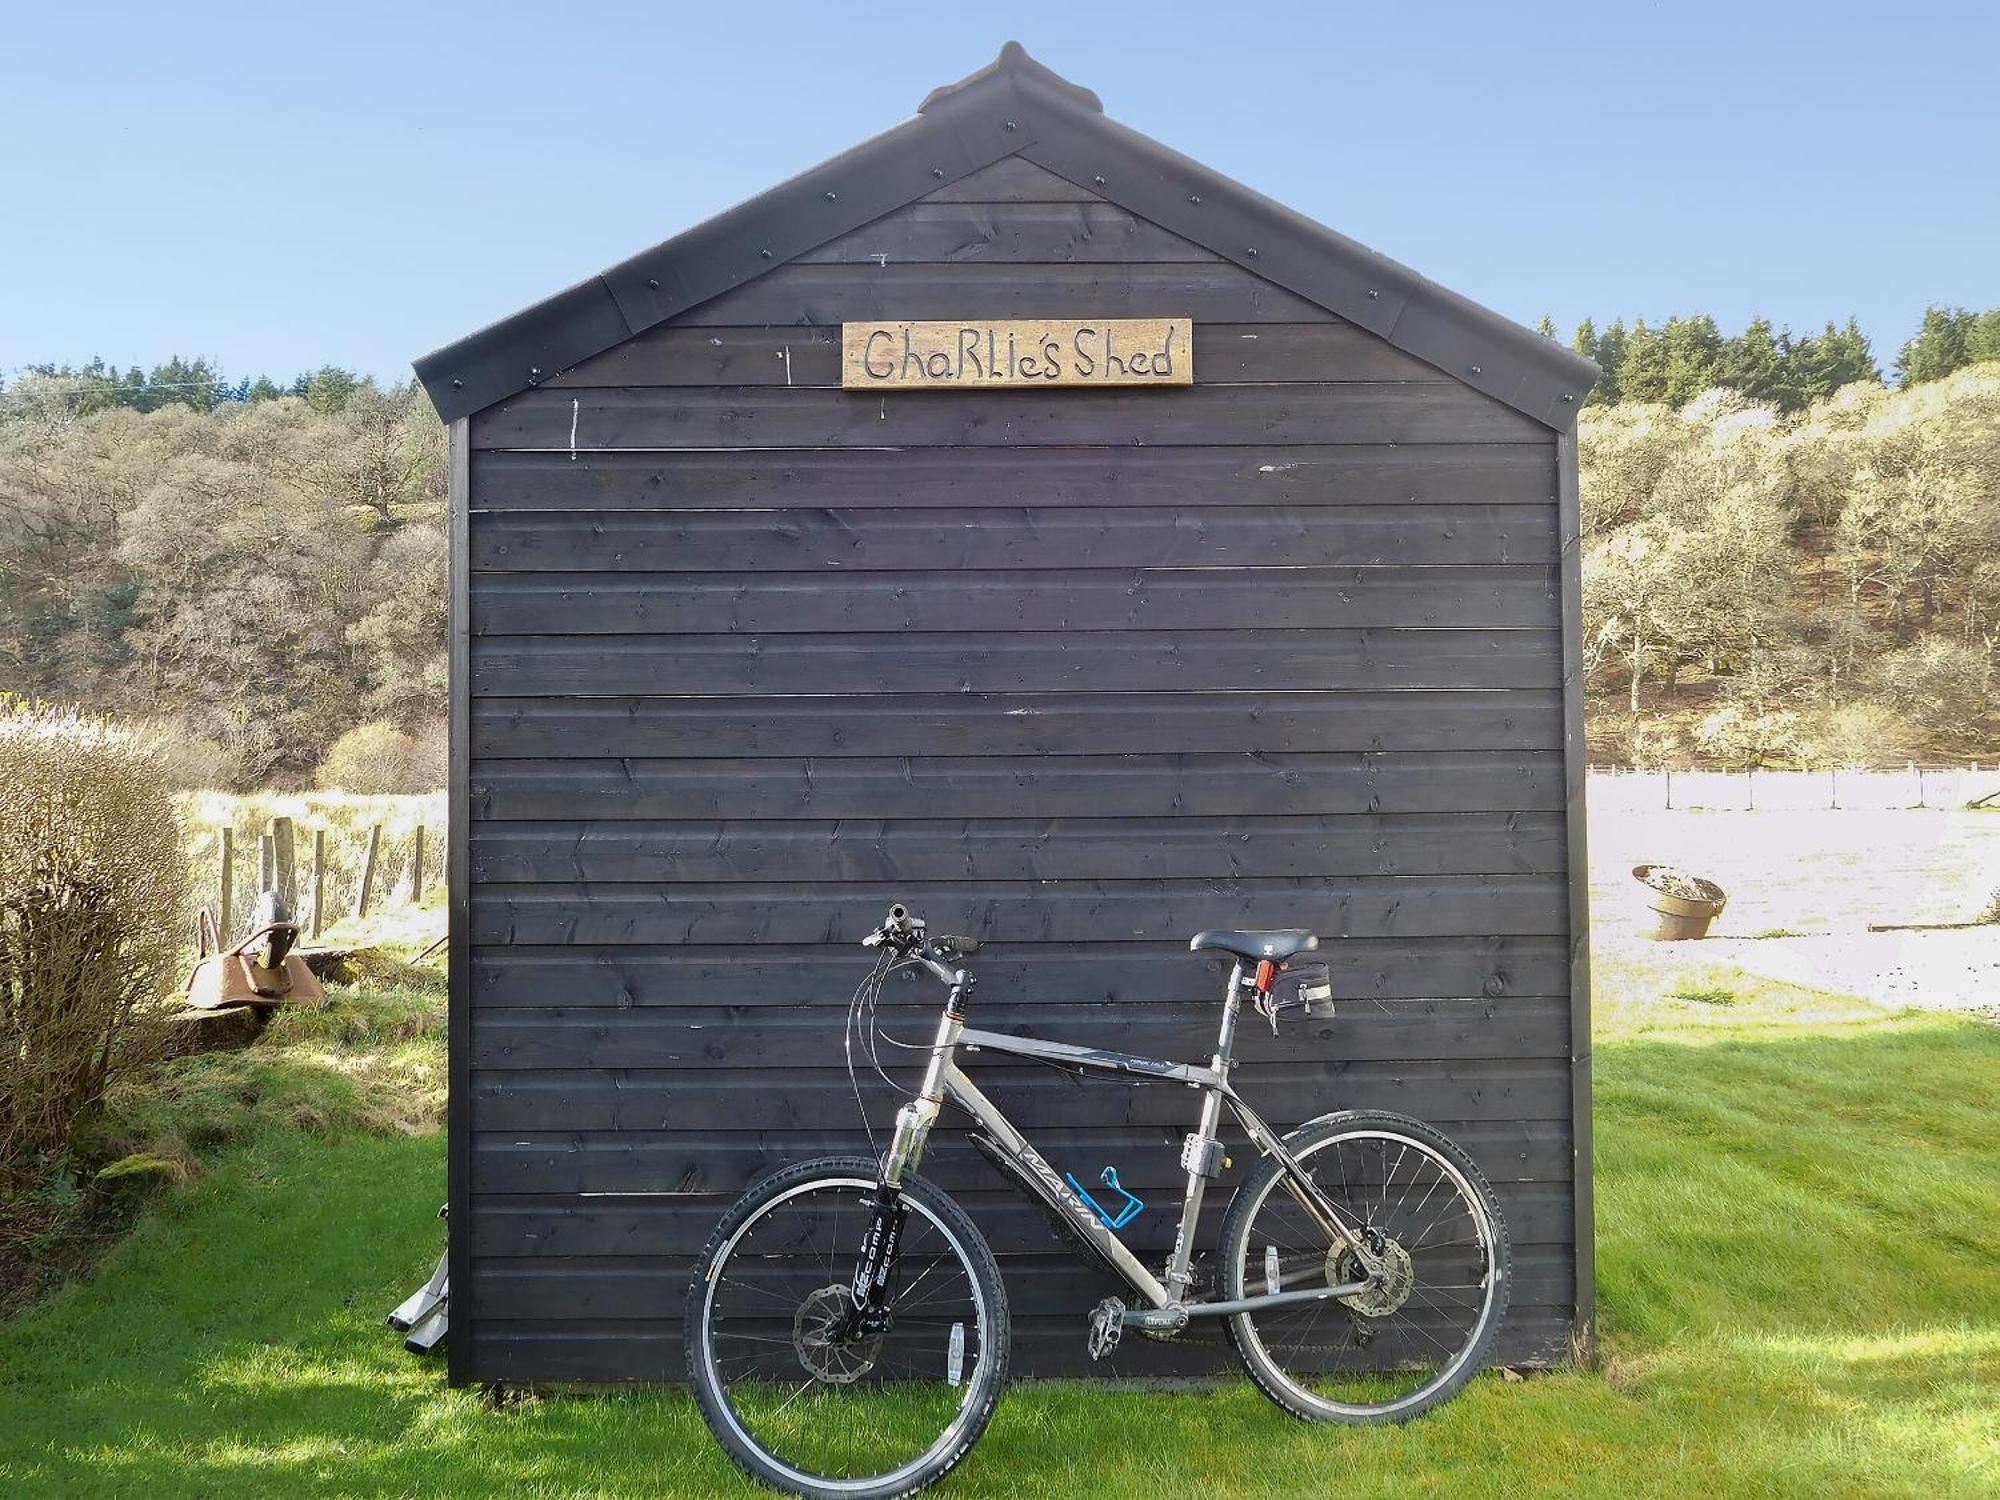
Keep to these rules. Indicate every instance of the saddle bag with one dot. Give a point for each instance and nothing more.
(1302, 988)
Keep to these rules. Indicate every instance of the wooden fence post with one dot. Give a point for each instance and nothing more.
(225, 881)
(368, 871)
(267, 864)
(417, 867)
(285, 871)
(319, 881)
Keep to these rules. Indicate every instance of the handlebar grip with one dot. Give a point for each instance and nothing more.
(962, 945)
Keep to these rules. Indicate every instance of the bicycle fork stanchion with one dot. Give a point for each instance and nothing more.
(875, 1272)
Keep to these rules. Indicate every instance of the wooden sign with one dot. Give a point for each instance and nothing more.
(1016, 353)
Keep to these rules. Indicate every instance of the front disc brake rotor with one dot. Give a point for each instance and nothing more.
(824, 1348)
(1386, 1291)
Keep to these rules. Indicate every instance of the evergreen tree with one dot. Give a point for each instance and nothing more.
(1836, 356)
(1940, 346)
(181, 382)
(1753, 364)
(1610, 357)
(1982, 339)
(1693, 358)
(1547, 327)
(1851, 357)
(1642, 371)
(329, 387)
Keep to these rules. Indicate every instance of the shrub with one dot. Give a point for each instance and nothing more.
(191, 761)
(1741, 738)
(1856, 735)
(93, 905)
(1939, 684)
(372, 759)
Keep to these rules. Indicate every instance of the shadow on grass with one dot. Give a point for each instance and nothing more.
(1794, 1262)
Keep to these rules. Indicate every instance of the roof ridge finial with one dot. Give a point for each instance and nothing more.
(1015, 61)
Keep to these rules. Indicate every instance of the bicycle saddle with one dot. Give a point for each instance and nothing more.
(1278, 944)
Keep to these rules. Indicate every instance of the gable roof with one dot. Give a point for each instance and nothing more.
(1013, 107)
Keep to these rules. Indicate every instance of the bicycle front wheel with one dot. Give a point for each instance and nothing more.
(1436, 1275)
(798, 1395)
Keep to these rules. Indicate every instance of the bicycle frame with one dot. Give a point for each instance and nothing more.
(1167, 1308)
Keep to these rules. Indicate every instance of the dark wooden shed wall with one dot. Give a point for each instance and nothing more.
(750, 657)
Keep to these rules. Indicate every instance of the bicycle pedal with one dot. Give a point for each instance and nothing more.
(1107, 1326)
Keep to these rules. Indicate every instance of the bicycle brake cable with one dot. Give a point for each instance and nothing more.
(854, 1005)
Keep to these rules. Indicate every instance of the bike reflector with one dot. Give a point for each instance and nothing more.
(954, 1362)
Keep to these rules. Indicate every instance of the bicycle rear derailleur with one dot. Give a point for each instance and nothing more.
(1107, 1326)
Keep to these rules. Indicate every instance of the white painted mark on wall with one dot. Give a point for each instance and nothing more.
(575, 404)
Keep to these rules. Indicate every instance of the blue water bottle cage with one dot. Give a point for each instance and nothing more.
(1127, 1211)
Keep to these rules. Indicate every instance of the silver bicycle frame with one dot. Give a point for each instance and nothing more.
(943, 1079)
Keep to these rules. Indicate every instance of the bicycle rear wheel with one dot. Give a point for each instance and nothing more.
(1423, 1326)
(799, 1397)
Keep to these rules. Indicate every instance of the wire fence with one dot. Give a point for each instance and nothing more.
(1914, 786)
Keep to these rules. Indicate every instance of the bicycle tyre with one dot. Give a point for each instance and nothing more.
(701, 1338)
(1264, 1365)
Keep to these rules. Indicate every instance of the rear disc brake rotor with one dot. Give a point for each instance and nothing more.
(1386, 1292)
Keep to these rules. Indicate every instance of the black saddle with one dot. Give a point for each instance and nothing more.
(1277, 945)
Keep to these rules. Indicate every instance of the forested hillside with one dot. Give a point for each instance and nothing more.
(1822, 588)
(1785, 560)
(255, 577)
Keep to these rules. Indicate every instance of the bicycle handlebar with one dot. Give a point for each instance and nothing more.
(906, 934)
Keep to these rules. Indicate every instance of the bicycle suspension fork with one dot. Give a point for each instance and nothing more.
(874, 1273)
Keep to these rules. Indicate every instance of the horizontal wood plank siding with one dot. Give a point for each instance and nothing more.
(1173, 477)
(1080, 723)
(587, 1030)
(1017, 537)
(826, 296)
(1021, 848)
(591, 419)
(1053, 911)
(1474, 597)
(1080, 673)
(1051, 234)
(1013, 179)
(1024, 786)
(808, 975)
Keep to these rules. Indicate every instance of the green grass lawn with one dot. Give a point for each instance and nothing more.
(1798, 1215)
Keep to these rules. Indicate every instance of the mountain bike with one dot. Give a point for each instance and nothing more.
(846, 1328)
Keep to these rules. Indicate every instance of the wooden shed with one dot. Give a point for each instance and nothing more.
(744, 648)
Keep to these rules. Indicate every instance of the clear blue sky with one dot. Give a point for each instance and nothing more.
(280, 186)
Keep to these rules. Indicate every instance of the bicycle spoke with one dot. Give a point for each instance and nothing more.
(1389, 1342)
(815, 1389)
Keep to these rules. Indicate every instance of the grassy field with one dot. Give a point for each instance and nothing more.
(1801, 1291)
